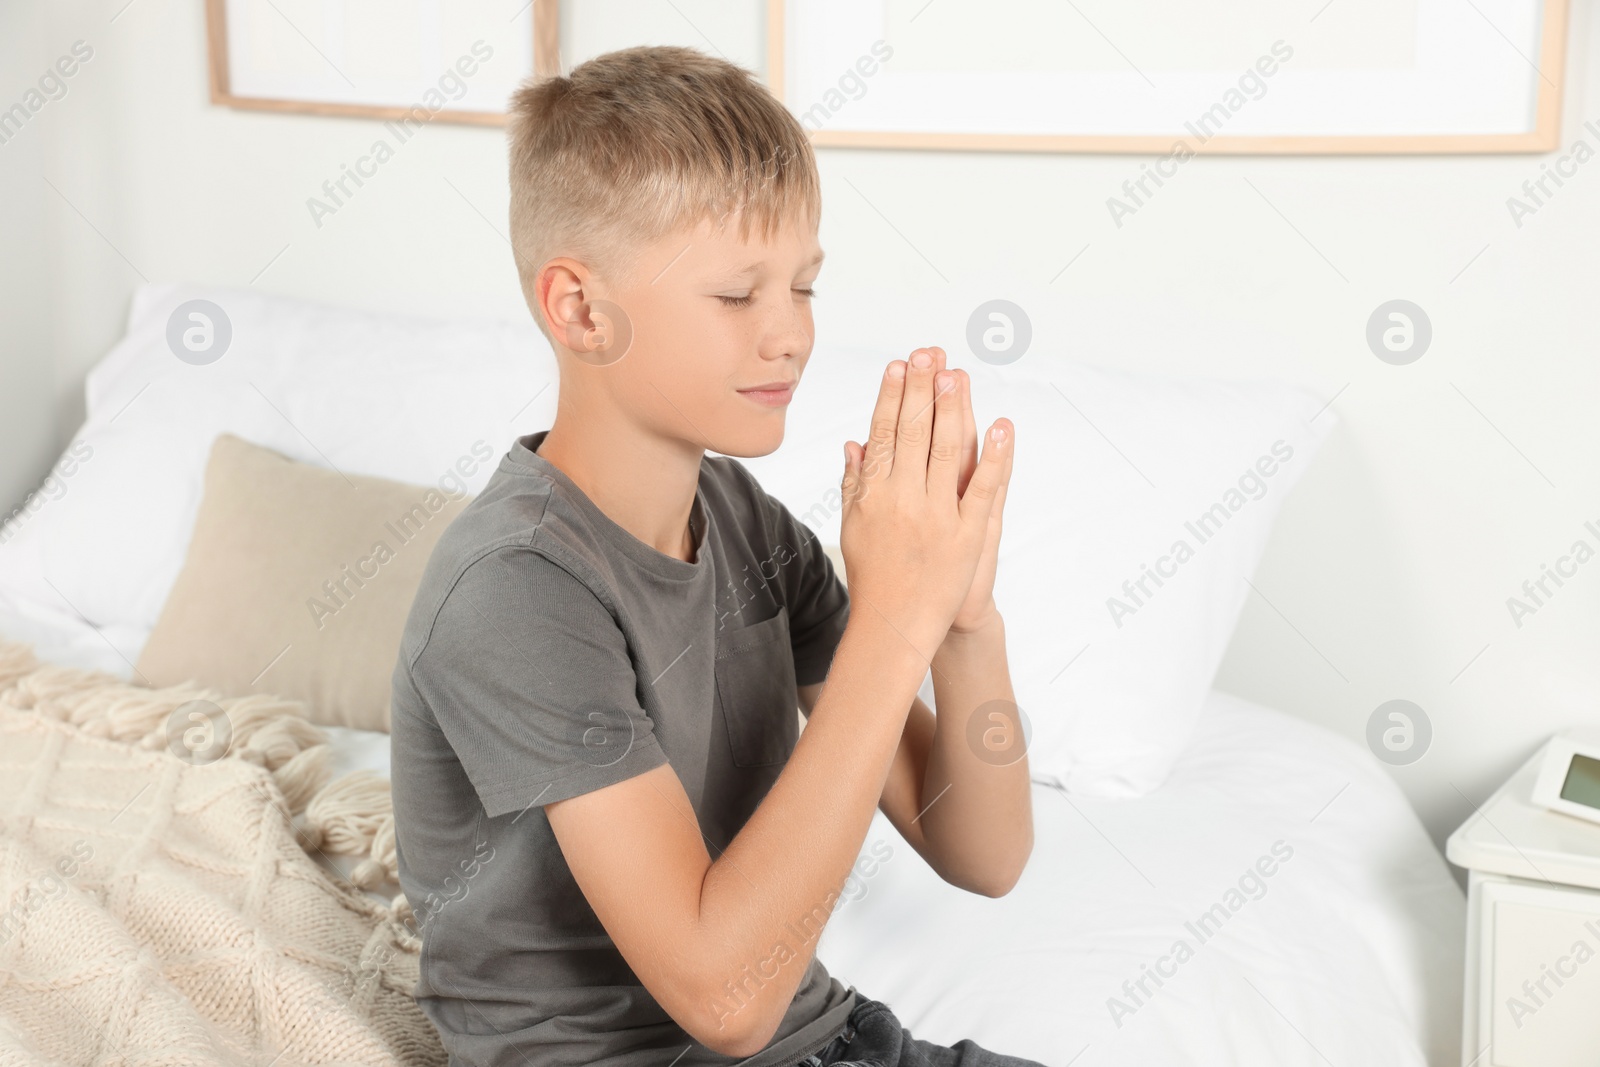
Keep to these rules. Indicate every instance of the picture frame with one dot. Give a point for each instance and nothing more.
(958, 90)
(314, 91)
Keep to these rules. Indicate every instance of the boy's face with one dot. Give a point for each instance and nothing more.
(710, 317)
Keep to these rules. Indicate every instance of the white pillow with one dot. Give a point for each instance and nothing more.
(1112, 471)
(439, 401)
(430, 402)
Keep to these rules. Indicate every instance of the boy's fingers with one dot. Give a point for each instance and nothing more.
(850, 483)
(878, 460)
(916, 422)
(979, 500)
(945, 451)
(998, 512)
(969, 434)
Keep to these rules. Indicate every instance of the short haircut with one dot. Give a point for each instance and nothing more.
(637, 143)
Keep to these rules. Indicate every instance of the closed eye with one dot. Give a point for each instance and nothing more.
(749, 298)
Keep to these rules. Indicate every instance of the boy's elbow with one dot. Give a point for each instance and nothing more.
(989, 884)
(732, 1031)
(730, 1009)
(1005, 879)
(994, 887)
(725, 1042)
(1000, 887)
(732, 1023)
(748, 1045)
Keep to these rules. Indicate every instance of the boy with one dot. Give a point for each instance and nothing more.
(607, 824)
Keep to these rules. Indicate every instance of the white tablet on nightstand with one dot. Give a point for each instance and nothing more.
(1569, 777)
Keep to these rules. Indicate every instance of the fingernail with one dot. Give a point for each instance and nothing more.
(998, 434)
(943, 380)
(922, 359)
(897, 369)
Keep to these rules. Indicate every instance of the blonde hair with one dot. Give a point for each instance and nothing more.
(634, 144)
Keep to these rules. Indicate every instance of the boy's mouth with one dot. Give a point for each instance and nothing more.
(772, 394)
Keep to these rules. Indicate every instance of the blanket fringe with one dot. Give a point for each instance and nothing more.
(352, 815)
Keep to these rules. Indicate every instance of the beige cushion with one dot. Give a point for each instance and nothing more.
(297, 582)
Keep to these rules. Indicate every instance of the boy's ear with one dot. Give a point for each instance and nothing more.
(561, 285)
(596, 331)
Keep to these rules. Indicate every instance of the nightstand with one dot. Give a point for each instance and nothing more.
(1532, 990)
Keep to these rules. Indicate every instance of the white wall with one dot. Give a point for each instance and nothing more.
(30, 434)
(1449, 482)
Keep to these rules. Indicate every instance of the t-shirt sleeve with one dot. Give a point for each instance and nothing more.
(532, 684)
(818, 602)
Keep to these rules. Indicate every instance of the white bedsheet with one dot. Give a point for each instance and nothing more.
(1349, 953)
(58, 636)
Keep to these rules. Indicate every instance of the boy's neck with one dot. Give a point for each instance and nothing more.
(643, 483)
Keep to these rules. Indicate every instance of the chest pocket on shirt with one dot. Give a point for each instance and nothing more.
(756, 691)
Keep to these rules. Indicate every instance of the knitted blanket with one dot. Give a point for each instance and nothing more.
(157, 902)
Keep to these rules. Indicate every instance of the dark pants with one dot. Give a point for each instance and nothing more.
(873, 1037)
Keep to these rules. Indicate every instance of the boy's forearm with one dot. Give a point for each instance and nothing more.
(765, 900)
(977, 805)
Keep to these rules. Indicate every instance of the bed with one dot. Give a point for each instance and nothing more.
(1349, 952)
(1212, 881)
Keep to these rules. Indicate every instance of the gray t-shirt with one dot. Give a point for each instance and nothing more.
(548, 653)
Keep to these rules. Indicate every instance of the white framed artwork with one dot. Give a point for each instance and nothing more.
(1233, 76)
(439, 60)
